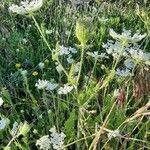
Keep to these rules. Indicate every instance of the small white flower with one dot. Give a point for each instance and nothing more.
(49, 111)
(63, 51)
(1, 101)
(72, 50)
(24, 40)
(42, 84)
(3, 123)
(96, 55)
(51, 86)
(59, 68)
(126, 36)
(15, 129)
(48, 31)
(113, 134)
(35, 131)
(123, 72)
(17, 50)
(113, 48)
(44, 142)
(129, 64)
(29, 26)
(93, 54)
(56, 139)
(116, 93)
(65, 89)
(26, 7)
(76, 67)
(70, 60)
(67, 32)
(102, 19)
(23, 72)
(41, 65)
(139, 55)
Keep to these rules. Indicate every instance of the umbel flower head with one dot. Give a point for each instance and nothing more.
(83, 30)
(41, 84)
(126, 36)
(26, 7)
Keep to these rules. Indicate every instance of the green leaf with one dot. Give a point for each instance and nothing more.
(70, 126)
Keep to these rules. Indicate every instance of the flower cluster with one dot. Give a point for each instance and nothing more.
(41, 84)
(51, 85)
(56, 139)
(65, 51)
(44, 142)
(14, 129)
(130, 50)
(65, 89)
(126, 70)
(138, 55)
(114, 48)
(126, 36)
(48, 85)
(3, 123)
(96, 55)
(123, 72)
(113, 134)
(26, 7)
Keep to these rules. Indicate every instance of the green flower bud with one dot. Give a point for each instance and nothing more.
(24, 129)
(83, 30)
(7, 148)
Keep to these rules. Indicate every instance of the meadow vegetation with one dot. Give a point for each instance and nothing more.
(74, 76)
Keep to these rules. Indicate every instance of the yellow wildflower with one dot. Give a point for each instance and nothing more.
(17, 65)
(35, 73)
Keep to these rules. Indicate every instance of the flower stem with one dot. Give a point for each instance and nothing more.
(43, 37)
(94, 143)
(81, 63)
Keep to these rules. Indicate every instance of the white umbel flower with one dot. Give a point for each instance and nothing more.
(41, 65)
(3, 123)
(113, 134)
(15, 129)
(44, 143)
(51, 86)
(59, 68)
(139, 55)
(41, 84)
(65, 89)
(96, 55)
(26, 7)
(1, 101)
(63, 51)
(123, 72)
(126, 36)
(56, 139)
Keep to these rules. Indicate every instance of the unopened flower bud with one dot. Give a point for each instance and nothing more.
(24, 129)
(83, 30)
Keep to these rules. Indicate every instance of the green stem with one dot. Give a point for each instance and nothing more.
(43, 37)
(94, 143)
(66, 73)
(81, 63)
(29, 92)
(118, 59)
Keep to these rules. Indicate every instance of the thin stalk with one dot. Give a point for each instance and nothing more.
(94, 143)
(39, 29)
(81, 63)
(29, 92)
(64, 70)
(118, 59)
